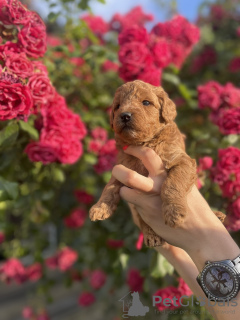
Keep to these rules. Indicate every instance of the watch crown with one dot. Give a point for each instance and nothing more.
(207, 262)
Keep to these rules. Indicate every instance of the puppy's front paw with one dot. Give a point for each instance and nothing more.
(100, 212)
(152, 240)
(173, 214)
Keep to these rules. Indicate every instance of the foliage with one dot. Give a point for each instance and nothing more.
(43, 190)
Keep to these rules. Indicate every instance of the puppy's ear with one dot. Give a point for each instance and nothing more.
(168, 109)
(111, 117)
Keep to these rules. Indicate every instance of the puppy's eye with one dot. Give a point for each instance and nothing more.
(117, 107)
(146, 103)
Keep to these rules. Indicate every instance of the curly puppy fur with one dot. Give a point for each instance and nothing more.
(152, 126)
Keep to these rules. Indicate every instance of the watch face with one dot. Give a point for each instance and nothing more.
(219, 281)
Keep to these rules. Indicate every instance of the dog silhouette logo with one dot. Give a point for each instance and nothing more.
(132, 306)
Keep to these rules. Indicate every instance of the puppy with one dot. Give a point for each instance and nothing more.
(143, 115)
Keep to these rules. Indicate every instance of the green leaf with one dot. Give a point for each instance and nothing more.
(172, 78)
(52, 17)
(124, 260)
(25, 126)
(162, 267)
(8, 189)
(58, 175)
(90, 158)
(9, 135)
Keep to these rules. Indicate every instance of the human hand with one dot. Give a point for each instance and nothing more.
(201, 235)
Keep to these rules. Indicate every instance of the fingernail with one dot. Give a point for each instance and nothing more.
(125, 147)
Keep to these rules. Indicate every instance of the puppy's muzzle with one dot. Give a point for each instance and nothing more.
(125, 117)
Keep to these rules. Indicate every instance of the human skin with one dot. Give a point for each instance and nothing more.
(200, 238)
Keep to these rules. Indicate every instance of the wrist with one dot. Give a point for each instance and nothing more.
(217, 245)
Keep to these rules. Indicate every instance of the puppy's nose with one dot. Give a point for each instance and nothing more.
(126, 116)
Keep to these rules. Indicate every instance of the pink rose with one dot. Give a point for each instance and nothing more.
(135, 57)
(168, 293)
(229, 121)
(34, 272)
(151, 75)
(41, 88)
(16, 99)
(41, 152)
(33, 40)
(134, 33)
(66, 258)
(231, 95)
(234, 65)
(110, 66)
(96, 24)
(27, 313)
(14, 270)
(210, 95)
(99, 134)
(20, 65)
(13, 12)
(205, 163)
(97, 279)
(161, 53)
(140, 240)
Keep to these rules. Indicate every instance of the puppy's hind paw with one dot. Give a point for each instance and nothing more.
(174, 215)
(100, 212)
(152, 240)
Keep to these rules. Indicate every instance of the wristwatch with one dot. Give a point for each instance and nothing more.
(220, 280)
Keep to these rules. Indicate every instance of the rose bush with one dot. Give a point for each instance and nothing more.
(57, 148)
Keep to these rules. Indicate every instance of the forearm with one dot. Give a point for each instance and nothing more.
(186, 268)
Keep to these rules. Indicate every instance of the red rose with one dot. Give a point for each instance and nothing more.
(8, 49)
(234, 65)
(135, 280)
(83, 197)
(135, 57)
(14, 270)
(231, 187)
(34, 272)
(209, 95)
(115, 244)
(229, 121)
(68, 149)
(66, 258)
(235, 208)
(140, 240)
(151, 75)
(96, 24)
(52, 262)
(178, 53)
(27, 313)
(2, 237)
(110, 66)
(41, 88)
(13, 12)
(205, 163)
(134, 33)
(161, 53)
(97, 279)
(183, 288)
(207, 57)
(33, 40)
(231, 95)
(57, 114)
(86, 299)
(168, 293)
(41, 152)
(40, 67)
(19, 65)
(76, 219)
(15, 98)
(227, 165)
(99, 134)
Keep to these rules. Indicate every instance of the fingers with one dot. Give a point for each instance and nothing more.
(150, 159)
(132, 179)
(129, 195)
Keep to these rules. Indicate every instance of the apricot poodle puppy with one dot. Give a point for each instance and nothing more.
(144, 115)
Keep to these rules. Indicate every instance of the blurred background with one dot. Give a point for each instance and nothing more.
(55, 263)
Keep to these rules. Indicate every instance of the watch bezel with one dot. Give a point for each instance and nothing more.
(231, 270)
